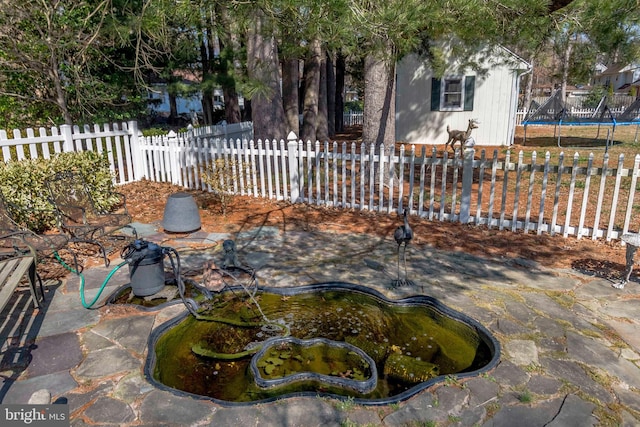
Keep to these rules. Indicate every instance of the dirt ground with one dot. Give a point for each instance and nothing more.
(146, 200)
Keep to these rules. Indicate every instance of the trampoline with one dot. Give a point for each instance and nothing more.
(554, 112)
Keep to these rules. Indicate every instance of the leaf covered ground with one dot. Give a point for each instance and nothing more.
(146, 202)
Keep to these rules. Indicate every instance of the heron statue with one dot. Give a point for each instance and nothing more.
(403, 236)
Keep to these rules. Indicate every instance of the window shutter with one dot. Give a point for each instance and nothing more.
(469, 88)
(435, 94)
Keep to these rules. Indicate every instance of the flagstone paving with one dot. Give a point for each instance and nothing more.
(570, 342)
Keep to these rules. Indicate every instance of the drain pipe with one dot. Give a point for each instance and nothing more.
(515, 90)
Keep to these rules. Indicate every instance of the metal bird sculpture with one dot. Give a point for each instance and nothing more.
(403, 236)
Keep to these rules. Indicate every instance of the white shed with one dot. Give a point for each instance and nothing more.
(425, 105)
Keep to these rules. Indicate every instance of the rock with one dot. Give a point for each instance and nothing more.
(40, 397)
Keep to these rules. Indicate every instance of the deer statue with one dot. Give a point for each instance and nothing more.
(459, 135)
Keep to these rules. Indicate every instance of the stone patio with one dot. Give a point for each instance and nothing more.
(570, 342)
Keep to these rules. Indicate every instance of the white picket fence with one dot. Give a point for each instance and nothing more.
(353, 118)
(116, 140)
(579, 198)
(120, 141)
(576, 196)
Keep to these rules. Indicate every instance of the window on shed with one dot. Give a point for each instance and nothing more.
(452, 93)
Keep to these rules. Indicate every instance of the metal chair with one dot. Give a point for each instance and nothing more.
(80, 218)
(16, 238)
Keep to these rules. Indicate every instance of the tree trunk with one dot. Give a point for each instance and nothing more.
(207, 94)
(173, 106)
(247, 111)
(231, 105)
(322, 122)
(311, 91)
(565, 69)
(528, 93)
(331, 96)
(229, 40)
(378, 125)
(207, 107)
(263, 66)
(379, 101)
(290, 77)
(61, 96)
(339, 102)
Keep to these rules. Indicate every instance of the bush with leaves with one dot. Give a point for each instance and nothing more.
(593, 98)
(23, 185)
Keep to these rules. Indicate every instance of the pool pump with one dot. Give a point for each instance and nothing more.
(146, 267)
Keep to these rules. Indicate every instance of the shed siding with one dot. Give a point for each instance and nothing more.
(417, 124)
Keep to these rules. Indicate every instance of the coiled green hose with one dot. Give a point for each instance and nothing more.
(104, 284)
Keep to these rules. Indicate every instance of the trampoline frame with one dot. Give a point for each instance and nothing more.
(563, 117)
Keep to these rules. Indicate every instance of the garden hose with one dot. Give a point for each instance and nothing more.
(190, 303)
(104, 284)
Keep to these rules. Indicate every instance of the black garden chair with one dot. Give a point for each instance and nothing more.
(80, 218)
(16, 240)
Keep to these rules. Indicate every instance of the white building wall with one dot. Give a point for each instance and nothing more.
(493, 106)
(184, 105)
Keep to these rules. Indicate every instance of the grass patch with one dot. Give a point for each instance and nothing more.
(454, 418)
(611, 335)
(428, 423)
(349, 423)
(591, 333)
(345, 404)
(534, 368)
(601, 377)
(492, 409)
(564, 299)
(489, 377)
(525, 396)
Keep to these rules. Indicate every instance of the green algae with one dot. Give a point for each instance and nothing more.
(438, 343)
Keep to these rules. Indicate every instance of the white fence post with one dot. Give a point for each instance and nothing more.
(136, 152)
(294, 180)
(176, 156)
(67, 135)
(467, 183)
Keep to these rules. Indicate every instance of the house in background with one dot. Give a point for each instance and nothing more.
(621, 77)
(425, 104)
(186, 104)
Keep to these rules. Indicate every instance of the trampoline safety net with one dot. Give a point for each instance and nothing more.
(553, 111)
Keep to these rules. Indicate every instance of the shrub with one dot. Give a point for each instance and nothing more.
(592, 100)
(355, 106)
(156, 131)
(220, 176)
(23, 184)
